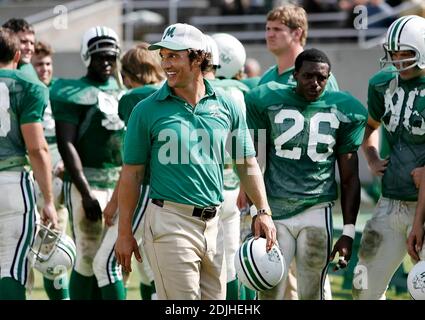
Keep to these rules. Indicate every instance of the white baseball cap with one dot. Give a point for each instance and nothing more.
(181, 36)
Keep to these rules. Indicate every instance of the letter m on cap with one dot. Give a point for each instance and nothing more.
(169, 32)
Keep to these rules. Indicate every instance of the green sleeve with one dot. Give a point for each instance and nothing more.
(375, 103)
(351, 131)
(137, 141)
(332, 84)
(256, 119)
(36, 100)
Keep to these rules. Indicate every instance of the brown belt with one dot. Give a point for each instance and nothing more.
(205, 214)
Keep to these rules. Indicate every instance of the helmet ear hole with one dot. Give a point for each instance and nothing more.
(257, 269)
(53, 253)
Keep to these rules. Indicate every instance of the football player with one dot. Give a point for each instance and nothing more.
(286, 36)
(42, 60)
(309, 130)
(22, 104)
(25, 32)
(89, 133)
(396, 100)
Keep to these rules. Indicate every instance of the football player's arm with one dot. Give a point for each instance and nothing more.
(348, 164)
(252, 182)
(370, 148)
(40, 160)
(128, 196)
(416, 236)
(66, 135)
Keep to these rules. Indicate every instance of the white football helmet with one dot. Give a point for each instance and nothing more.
(416, 281)
(53, 253)
(406, 33)
(99, 39)
(257, 269)
(213, 49)
(232, 55)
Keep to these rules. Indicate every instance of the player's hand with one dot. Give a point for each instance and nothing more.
(378, 166)
(49, 215)
(262, 225)
(416, 176)
(110, 211)
(242, 200)
(124, 248)
(415, 241)
(343, 247)
(92, 208)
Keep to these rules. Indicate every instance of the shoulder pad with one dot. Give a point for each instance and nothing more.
(74, 91)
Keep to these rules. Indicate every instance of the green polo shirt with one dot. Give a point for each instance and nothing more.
(184, 146)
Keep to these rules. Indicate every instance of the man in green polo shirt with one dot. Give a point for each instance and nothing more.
(309, 130)
(22, 104)
(181, 132)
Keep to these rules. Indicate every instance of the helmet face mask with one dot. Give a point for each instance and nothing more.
(405, 34)
(53, 252)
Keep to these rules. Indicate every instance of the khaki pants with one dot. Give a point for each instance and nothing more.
(185, 253)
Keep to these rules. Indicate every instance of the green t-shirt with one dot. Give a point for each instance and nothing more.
(28, 69)
(252, 82)
(303, 140)
(287, 78)
(184, 146)
(400, 107)
(93, 107)
(133, 97)
(22, 100)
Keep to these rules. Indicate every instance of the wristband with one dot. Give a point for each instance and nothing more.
(349, 230)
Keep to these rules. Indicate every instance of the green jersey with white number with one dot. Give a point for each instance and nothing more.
(93, 107)
(287, 78)
(22, 101)
(400, 106)
(303, 140)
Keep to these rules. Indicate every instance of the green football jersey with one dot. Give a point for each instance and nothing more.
(400, 107)
(28, 69)
(93, 107)
(133, 97)
(303, 140)
(49, 121)
(252, 82)
(184, 146)
(286, 77)
(22, 101)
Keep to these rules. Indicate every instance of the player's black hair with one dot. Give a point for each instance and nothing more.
(312, 55)
(17, 25)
